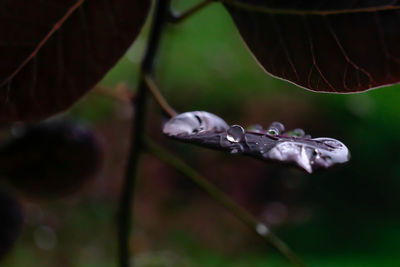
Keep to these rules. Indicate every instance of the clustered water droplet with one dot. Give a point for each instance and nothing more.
(296, 133)
(273, 143)
(256, 128)
(276, 128)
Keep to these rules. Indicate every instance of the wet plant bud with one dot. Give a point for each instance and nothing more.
(272, 144)
(50, 159)
(10, 222)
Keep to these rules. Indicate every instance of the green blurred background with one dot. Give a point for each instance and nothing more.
(347, 216)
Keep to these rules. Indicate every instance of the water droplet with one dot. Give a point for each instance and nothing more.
(276, 128)
(256, 128)
(262, 229)
(299, 132)
(296, 133)
(235, 134)
(272, 132)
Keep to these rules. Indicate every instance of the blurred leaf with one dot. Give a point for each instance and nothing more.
(11, 221)
(50, 159)
(333, 46)
(53, 52)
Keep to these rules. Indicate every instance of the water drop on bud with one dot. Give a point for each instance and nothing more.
(276, 128)
(235, 134)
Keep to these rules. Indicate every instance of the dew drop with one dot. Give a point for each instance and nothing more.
(276, 128)
(296, 133)
(235, 134)
(256, 128)
(299, 132)
(262, 229)
(272, 132)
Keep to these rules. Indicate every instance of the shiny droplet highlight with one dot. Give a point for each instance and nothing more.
(276, 128)
(235, 134)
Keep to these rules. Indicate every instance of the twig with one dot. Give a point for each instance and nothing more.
(179, 17)
(249, 220)
(120, 93)
(158, 96)
(138, 123)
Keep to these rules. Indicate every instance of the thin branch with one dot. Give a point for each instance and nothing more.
(158, 96)
(120, 93)
(139, 104)
(179, 17)
(249, 220)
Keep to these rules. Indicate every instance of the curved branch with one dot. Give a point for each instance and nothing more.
(249, 220)
(158, 96)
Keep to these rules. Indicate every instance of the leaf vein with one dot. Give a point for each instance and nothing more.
(43, 41)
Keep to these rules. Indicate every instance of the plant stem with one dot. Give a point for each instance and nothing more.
(251, 221)
(158, 96)
(176, 18)
(139, 104)
(120, 93)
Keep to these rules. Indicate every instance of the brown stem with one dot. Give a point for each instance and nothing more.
(158, 96)
(139, 104)
(179, 17)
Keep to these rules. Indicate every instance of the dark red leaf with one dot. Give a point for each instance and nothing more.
(53, 51)
(50, 159)
(334, 46)
(11, 221)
